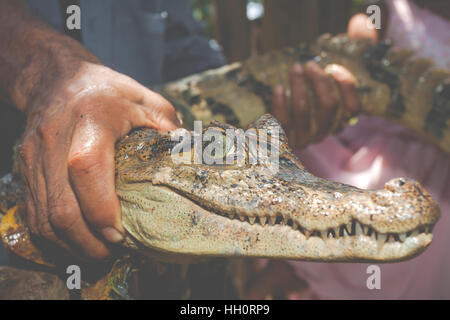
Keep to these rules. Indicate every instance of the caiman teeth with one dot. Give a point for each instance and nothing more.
(343, 230)
(372, 233)
(263, 220)
(272, 220)
(373, 236)
(331, 233)
(359, 230)
(402, 237)
(354, 228)
(390, 238)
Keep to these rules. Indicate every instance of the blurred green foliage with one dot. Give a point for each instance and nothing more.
(203, 10)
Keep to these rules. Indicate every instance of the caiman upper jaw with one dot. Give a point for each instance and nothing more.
(176, 226)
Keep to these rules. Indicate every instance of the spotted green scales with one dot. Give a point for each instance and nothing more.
(184, 213)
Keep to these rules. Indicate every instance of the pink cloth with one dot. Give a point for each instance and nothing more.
(420, 30)
(374, 151)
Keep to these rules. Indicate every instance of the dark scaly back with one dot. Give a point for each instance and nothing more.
(392, 85)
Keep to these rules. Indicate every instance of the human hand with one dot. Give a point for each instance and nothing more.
(304, 124)
(67, 154)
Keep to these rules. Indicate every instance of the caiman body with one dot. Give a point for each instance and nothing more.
(392, 85)
(184, 212)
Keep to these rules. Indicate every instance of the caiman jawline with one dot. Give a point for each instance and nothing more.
(354, 228)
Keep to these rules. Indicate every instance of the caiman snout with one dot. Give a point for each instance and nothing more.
(403, 206)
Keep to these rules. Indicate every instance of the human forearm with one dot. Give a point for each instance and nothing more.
(33, 56)
(76, 110)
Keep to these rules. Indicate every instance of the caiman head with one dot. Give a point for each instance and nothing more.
(176, 209)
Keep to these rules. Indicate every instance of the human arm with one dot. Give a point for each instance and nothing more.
(76, 110)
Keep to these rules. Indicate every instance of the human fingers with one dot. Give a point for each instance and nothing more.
(327, 98)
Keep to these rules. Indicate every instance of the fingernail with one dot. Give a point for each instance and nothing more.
(112, 235)
(333, 68)
(337, 71)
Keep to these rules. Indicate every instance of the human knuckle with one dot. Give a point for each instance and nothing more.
(84, 161)
(46, 129)
(62, 216)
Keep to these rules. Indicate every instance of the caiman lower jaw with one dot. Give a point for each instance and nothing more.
(351, 242)
(353, 229)
(161, 221)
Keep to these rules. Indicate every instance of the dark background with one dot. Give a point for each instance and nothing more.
(284, 23)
